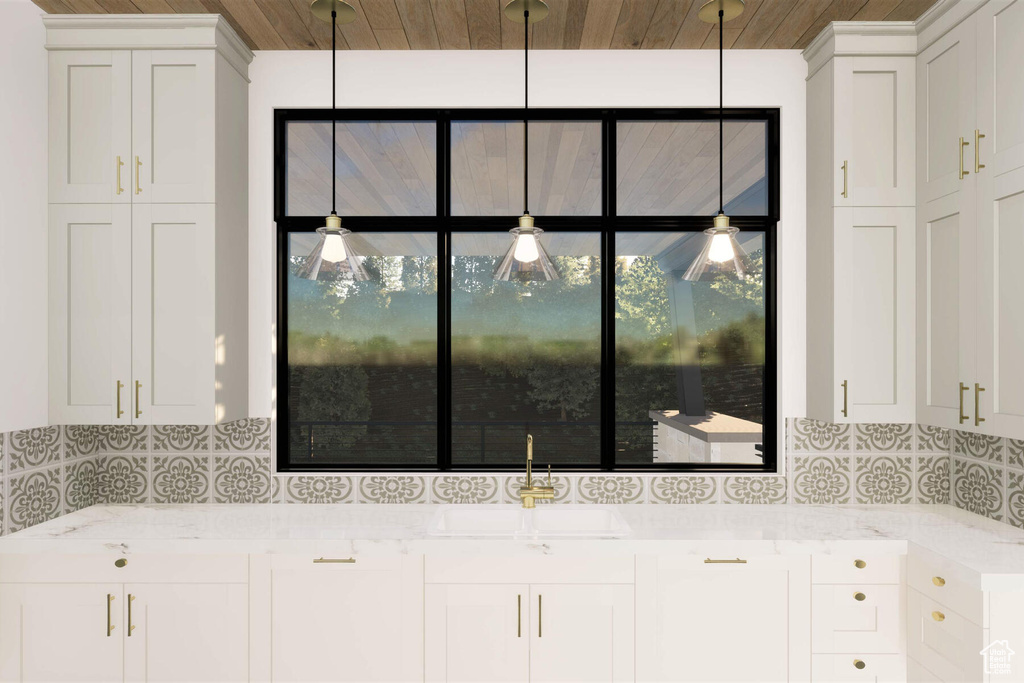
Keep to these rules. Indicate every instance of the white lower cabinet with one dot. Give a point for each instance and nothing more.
(723, 619)
(874, 668)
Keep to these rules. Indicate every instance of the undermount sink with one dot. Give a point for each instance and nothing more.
(544, 521)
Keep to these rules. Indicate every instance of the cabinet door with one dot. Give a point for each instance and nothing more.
(356, 622)
(61, 632)
(186, 632)
(1000, 24)
(90, 313)
(90, 126)
(946, 309)
(173, 314)
(874, 131)
(857, 619)
(700, 621)
(946, 112)
(478, 633)
(874, 314)
(173, 123)
(581, 633)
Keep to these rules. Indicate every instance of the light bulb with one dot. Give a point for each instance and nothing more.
(334, 248)
(721, 248)
(526, 248)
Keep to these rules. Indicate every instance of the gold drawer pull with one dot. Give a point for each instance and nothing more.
(131, 626)
(138, 408)
(332, 560)
(978, 419)
(110, 623)
(119, 165)
(963, 171)
(519, 616)
(859, 597)
(540, 616)
(121, 563)
(138, 165)
(938, 581)
(978, 135)
(119, 388)
(846, 392)
(963, 388)
(859, 664)
(736, 561)
(846, 172)
(938, 616)
(860, 564)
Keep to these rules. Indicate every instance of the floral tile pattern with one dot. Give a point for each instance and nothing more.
(932, 474)
(754, 490)
(318, 489)
(393, 489)
(884, 480)
(124, 479)
(465, 489)
(34, 497)
(681, 489)
(610, 489)
(81, 440)
(1015, 499)
(81, 484)
(563, 488)
(241, 479)
(124, 439)
(248, 435)
(979, 446)
(885, 437)
(815, 436)
(1015, 453)
(821, 479)
(978, 488)
(932, 439)
(181, 478)
(181, 438)
(30, 448)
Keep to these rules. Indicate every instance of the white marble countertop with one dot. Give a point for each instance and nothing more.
(991, 551)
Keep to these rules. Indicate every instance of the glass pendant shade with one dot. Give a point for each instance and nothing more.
(526, 260)
(721, 255)
(333, 255)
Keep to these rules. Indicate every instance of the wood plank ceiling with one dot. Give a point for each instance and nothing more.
(480, 25)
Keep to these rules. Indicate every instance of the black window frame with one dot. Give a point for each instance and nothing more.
(607, 224)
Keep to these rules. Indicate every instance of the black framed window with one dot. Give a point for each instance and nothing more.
(619, 365)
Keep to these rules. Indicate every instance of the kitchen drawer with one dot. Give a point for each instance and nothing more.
(856, 619)
(942, 641)
(876, 668)
(530, 570)
(327, 562)
(918, 674)
(857, 569)
(103, 568)
(946, 584)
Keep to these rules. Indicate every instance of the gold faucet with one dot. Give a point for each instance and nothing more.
(530, 493)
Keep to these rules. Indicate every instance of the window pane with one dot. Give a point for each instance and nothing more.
(385, 168)
(487, 168)
(688, 355)
(526, 358)
(670, 168)
(362, 356)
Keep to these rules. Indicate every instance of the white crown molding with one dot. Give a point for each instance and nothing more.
(861, 38)
(942, 17)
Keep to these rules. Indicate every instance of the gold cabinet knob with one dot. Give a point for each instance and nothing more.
(860, 564)
(859, 597)
(938, 616)
(120, 563)
(859, 663)
(938, 581)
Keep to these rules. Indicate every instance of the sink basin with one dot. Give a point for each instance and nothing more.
(544, 521)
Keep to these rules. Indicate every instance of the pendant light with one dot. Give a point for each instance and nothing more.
(722, 253)
(333, 253)
(526, 258)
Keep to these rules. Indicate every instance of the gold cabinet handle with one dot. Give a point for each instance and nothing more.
(963, 388)
(736, 561)
(119, 388)
(138, 408)
(977, 151)
(938, 581)
(138, 165)
(119, 165)
(938, 616)
(963, 143)
(540, 616)
(110, 623)
(859, 597)
(333, 560)
(846, 172)
(860, 564)
(131, 626)
(846, 393)
(519, 616)
(859, 663)
(978, 419)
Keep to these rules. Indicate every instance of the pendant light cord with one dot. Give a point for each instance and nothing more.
(526, 108)
(721, 116)
(334, 113)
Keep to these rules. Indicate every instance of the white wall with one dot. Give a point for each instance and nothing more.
(23, 258)
(619, 78)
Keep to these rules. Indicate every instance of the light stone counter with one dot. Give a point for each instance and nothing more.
(992, 552)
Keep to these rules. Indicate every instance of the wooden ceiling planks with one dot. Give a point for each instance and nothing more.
(481, 25)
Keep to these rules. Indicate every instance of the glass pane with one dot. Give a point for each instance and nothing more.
(362, 356)
(487, 168)
(526, 357)
(385, 168)
(689, 357)
(670, 168)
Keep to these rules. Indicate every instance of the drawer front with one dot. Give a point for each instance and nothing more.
(529, 570)
(945, 584)
(46, 568)
(874, 668)
(857, 569)
(918, 674)
(856, 619)
(942, 641)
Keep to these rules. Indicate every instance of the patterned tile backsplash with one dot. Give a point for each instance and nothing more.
(54, 470)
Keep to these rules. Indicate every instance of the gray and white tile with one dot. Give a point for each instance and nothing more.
(884, 479)
(978, 487)
(322, 489)
(81, 483)
(885, 437)
(124, 439)
(978, 446)
(611, 488)
(676, 490)
(181, 478)
(821, 479)
(393, 488)
(241, 478)
(33, 497)
(754, 490)
(1015, 498)
(813, 436)
(124, 478)
(465, 489)
(82, 441)
(181, 438)
(242, 436)
(932, 439)
(1015, 453)
(31, 448)
(563, 488)
(931, 473)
